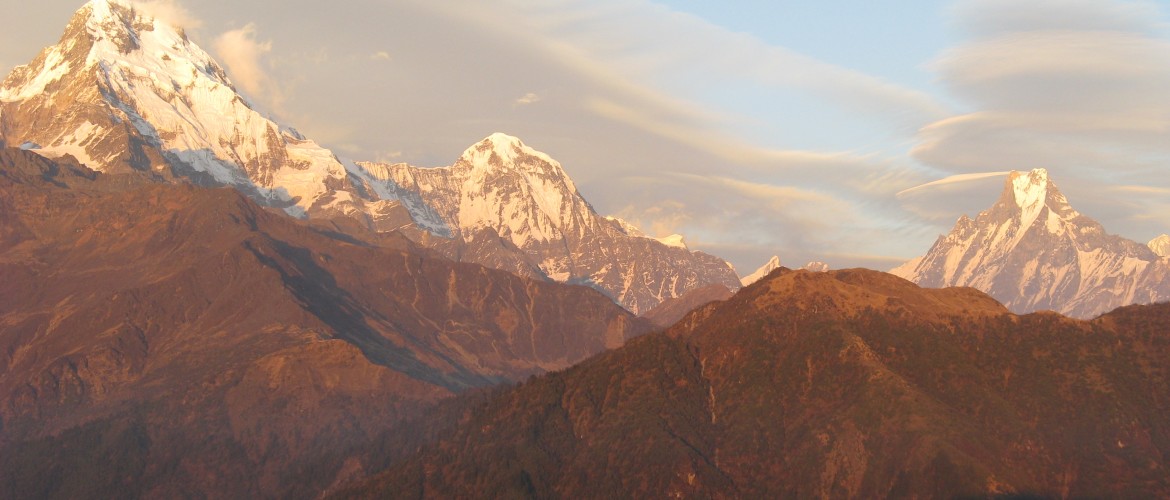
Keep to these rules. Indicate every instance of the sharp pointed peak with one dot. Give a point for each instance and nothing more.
(118, 22)
(100, 12)
(1028, 189)
(1036, 173)
(772, 265)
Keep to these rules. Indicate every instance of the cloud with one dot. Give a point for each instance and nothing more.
(667, 125)
(1075, 86)
(954, 179)
(381, 55)
(992, 18)
(529, 98)
(942, 201)
(1090, 73)
(658, 219)
(1141, 190)
(657, 62)
(761, 218)
(170, 12)
(244, 57)
(388, 157)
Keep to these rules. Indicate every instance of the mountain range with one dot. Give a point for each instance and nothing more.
(197, 301)
(508, 206)
(124, 92)
(1032, 251)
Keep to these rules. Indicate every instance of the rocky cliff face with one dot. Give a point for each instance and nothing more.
(169, 340)
(502, 196)
(1033, 251)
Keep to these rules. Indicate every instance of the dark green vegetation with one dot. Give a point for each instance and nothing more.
(846, 384)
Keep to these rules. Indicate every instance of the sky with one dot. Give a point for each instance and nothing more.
(845, 131)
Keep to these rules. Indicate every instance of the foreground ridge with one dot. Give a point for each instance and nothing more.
(847, 383)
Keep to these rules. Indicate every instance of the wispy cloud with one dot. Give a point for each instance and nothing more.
(1075, 86)
(639, 51)
(711, 141)
(992, 18)
(529, 98)
(954, 179)
(380, 55)
(1143, 190)
(1066, 84)
(245, 58)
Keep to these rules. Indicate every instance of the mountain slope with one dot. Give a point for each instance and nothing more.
(1033, 251)
(851, 384)
(507, 195)
(214, 348)
(670, 311)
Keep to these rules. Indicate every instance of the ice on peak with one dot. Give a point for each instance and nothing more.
(500, 138)
(1160, 245)
(103, 8)
(107, 3)
(772, 265)
(626, 227)
(816, 266)
(674, 240)
(111, 17)
(497, 149)
(1031, 188)
(503, 150)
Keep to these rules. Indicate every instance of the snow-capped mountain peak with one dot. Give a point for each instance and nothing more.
(124, 91)
(1029, 189)
(1030, 194)
(816, 266)
(501, 150)
(772, 265)
(1033, 251)
(114, 21)
(1160, 245)
(502, 186)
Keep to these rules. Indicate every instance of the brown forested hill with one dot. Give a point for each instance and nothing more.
(850, 383)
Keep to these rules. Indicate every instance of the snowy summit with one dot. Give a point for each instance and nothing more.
(772, 265)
